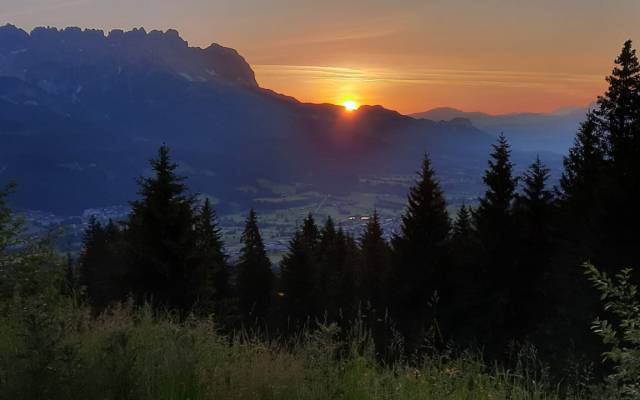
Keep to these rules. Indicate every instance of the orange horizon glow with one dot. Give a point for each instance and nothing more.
(492, 92)
(493, 56)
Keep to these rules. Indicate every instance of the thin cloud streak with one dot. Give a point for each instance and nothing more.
(350, 35)
(492, 78)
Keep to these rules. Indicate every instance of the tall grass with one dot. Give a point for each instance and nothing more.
(62, 352)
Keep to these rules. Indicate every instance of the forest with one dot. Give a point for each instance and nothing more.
(529, 293)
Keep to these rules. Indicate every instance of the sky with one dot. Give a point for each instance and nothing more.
(495, 56)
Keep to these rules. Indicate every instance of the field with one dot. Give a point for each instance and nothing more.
(60, 352)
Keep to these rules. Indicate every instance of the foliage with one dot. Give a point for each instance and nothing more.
(621, 300)
(138, 354)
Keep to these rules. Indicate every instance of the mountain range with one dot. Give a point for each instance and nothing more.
(552, 132)
(82, 111)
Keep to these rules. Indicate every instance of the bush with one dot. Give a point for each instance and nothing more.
(620, 299)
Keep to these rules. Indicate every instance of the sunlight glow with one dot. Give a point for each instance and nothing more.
(350, 105)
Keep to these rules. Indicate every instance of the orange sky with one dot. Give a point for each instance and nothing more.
(410, 55)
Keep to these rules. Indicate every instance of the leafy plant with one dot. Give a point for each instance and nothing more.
(620, 298)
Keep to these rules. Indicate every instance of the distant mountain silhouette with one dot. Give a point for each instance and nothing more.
(528, 131)
(81, 112)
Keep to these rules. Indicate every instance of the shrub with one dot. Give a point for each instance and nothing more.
(622, 335)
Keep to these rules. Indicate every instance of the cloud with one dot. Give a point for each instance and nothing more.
(493, 78)
(343, 36)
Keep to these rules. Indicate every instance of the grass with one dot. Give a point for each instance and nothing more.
(62, 352)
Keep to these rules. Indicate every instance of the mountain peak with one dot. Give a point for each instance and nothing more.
(21, 54)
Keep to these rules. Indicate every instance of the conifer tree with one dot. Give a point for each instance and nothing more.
(337, 257)
(462, 228)
(535, 211)
(161, 237)
(495, 206)
(102, 272)
(374, 270)
(599, 188)
(619, 108)
(583, 166)
(255, 278)
(462, 308)
(213, 277)
(327, 268)
(583, 184)
(298, 269)
(493, 217)
(310, 232)
(421, 254)
(348, 260)
(619, 117)
(464, 248)
(535, 203)
(493, 220)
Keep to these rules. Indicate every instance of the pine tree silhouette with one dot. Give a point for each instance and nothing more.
(255, 278)
(619, 117)
(421, 255)
(213, 276)
(619, 108)
(462, 228)
(373, 274)
(493, 220)
(161, 237)
(535, 212)
(102, 271)
(298, 269)
(462, 311)
(334, 283)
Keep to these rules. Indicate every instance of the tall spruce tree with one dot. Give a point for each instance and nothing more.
(421, 255)
(213, 277)
(464, 277)
(619, 117)
(619, 109)
(581, 193)
(583, 166)
(255, 278)
(161, 237)
(535, 212)
(374, 267)
(493, 220)
(493, 217)
(599, 188)
(334, 282)
(102, 272)
(462, 228)
(298, 269)
(310, 232)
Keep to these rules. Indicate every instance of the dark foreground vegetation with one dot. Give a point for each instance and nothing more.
(153, 308)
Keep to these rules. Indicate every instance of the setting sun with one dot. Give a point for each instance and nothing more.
(350, 105)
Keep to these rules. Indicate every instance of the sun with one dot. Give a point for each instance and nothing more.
(350, 105)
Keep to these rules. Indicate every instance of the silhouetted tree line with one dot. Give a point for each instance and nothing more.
(506, 270)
